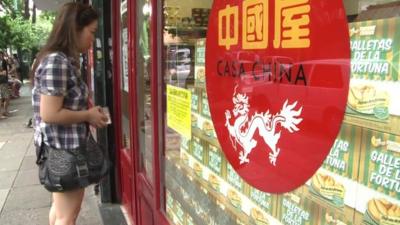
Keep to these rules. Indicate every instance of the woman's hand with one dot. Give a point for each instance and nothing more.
(97, 117)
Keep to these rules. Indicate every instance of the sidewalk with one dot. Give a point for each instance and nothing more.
(23, 201)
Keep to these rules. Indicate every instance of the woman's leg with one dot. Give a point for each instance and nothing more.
(52, 215)
(67, 206)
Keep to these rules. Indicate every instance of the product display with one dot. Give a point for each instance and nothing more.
(380, 167)
(195, 100)
(366, 99)
(234, 198)
(215, 161)
(297, 209)
(332, 216)
(328, 188)
(259, 217)
(375, 77)
(358, 183)
(381, 211)
(343, 159)
(264, 200)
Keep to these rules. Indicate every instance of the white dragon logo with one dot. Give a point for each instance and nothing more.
(243, 130)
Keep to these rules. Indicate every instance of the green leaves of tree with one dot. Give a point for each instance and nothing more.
(18, 33)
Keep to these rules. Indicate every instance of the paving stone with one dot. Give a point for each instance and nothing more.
(113, 214)
(31, 150)
(10, 164)
(17, 145)
(3, 197)
(27, 177)
(7, 179)
(29, 197)
(8, 152)
(29, 163)
(90, 214)
(22, 137)
(37, 216)
(4, 138)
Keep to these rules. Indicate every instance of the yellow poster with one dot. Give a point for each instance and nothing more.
(178, 110)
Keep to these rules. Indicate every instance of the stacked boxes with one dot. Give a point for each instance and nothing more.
(233, 178)
(200, 16)
(333, 187)
(372, 100)
(175, 211)
(380, 169)
(215, 163)
(295, 209)
(378, 193)
(171, 15)
(343, 159)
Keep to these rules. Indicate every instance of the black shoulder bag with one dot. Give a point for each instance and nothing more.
(67, 169)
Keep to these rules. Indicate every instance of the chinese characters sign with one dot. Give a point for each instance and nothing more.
(291, 16)
(277, 76)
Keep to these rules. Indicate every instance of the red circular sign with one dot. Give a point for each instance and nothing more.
(277, 77)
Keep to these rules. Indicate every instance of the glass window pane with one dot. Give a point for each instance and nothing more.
(360, 172)
(143, 73)
(125, 114)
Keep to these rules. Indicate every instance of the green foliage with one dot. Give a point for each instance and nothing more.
(5, 32)
(48, 16)
(22, 34)
(12, 8)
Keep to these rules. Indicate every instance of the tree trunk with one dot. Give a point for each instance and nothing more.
(21, 65)
(34, 13)
(26, 9)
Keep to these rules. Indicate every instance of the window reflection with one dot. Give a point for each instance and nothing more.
(201, 187)
(143, 60)
(124, 77)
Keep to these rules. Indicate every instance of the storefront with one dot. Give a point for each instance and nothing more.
(171, 158)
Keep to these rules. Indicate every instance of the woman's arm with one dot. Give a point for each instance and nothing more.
(52, 111)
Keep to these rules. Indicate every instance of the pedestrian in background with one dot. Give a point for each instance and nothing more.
(13, 80)
(4, 90)
(60, 97)
(18, 69)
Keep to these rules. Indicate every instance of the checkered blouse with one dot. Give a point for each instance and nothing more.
(56, 76)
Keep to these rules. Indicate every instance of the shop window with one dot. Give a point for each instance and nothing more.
(144, 76)
(125, 113)
(358, 183)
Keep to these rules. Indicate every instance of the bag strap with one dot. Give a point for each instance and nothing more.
(40, 156)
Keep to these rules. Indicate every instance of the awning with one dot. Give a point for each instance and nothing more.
(52, 5)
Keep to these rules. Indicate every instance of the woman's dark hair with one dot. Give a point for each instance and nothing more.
(71, 19)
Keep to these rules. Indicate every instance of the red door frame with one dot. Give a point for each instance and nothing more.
(156, 192)
(157, 91)
(141, 188)
(116, 31)
(146, 203)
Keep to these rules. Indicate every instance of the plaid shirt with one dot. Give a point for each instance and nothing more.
(56, 76)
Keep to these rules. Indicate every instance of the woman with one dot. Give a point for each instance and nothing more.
(60, 97)
(13, 80)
